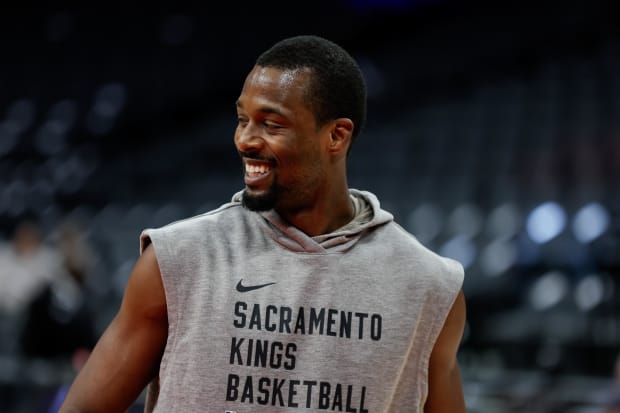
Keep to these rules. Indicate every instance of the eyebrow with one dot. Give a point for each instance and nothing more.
(264, 109)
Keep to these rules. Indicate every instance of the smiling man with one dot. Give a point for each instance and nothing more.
(300, 294)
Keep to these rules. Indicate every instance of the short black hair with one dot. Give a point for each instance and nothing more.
(336, 89)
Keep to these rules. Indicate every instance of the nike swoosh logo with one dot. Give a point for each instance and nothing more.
(245, 288)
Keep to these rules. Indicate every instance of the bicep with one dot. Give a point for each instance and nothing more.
(127, 356)
(445, 392)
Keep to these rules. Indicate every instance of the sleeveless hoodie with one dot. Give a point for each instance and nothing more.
(264, 318)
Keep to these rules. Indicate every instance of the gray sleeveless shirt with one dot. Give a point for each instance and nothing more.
(263, 318)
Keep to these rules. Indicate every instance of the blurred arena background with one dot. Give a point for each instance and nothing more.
(493, 135)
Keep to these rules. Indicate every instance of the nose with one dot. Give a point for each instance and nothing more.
(247, 137)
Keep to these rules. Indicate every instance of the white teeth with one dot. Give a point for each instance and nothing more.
(256, 169)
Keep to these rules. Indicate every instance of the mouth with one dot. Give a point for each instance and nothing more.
(256, 171)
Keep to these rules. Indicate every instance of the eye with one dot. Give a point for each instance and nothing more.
(242, 120)
(272, 125)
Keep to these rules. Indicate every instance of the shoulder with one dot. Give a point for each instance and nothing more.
(212, 217)
(217, 221)
(422, 257)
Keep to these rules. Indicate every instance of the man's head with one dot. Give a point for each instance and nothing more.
(336, 88)
(299, 109)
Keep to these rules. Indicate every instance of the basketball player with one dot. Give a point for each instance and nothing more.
(300, 294)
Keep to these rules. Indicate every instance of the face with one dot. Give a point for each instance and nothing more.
(281, 146)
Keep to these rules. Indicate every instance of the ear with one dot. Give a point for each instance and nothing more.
(340, 135)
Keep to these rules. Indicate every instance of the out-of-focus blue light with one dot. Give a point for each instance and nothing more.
(589, 292)
(461, 249)
(425, 222)
(497, 257)
(466, 220)
(548, 290)
(590, 222)
(504, 221)
(545, 222)
(110, 99)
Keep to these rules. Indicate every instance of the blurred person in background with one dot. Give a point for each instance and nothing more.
(300, 292)
(27, 266)
(59, 322)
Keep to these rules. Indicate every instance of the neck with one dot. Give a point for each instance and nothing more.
(326, 214)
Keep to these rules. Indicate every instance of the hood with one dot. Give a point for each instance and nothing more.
(369, 216)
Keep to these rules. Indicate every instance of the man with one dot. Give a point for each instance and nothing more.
(298, 295)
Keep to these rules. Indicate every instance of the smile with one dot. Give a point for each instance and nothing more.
(255, 170)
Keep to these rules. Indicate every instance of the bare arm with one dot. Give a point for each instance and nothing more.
(128, 354)
(445, 392)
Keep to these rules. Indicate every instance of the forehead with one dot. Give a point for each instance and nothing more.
(284, 88)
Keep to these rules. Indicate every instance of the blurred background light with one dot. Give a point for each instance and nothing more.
(548, 290)
(426, 222)
(110, 99)
(546, 222)
(590, 222)
(589, 292)
(503, 221)
(461, 249)
(497, 257)
(466, 220)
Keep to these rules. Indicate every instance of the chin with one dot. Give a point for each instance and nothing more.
(259, 201)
